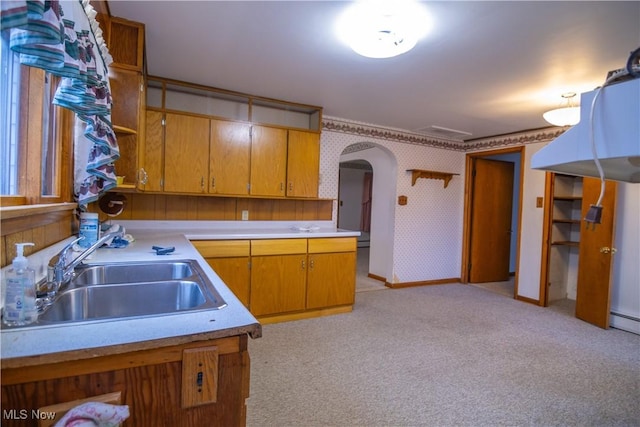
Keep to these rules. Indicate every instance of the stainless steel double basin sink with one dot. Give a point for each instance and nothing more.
(133, 289)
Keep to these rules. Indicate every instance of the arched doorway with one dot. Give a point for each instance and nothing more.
(382, 164)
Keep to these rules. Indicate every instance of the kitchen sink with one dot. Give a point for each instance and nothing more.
(134, 289)
(124, 300)
(132, 272)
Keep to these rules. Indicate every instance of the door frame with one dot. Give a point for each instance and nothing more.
(468, 197)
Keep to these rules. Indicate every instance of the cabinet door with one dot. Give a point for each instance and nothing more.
(303, 164)
(234, 272)
(125, 115)
(278, 284)
(186, 159)
(229, 161)
(150, 174)
(268, 161)
(331, 279)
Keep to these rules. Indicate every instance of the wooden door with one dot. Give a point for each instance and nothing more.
(234, 272)
(229, 161)
(593, 298)
(303, 164)
(268, 161)
(278, 284)
(150, 178)
(186, 161)
(491, 210)
(331, 279)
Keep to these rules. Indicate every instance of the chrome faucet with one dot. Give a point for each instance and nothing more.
(59, 272)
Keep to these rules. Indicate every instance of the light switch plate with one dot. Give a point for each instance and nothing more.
(245, 215)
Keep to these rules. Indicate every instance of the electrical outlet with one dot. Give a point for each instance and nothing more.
(245, 215)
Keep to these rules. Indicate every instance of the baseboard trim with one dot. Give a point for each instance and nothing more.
(528, 300)
(375, 277)
(308, 314)
(422, 283)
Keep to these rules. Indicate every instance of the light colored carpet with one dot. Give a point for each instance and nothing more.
(448, 355)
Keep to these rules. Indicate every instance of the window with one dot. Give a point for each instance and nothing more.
(9, 119)
(34, 135)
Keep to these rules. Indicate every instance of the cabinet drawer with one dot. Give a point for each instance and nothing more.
(222, 248)
(278, 246)
(334, 244)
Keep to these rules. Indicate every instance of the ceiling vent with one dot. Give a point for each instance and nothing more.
(442, 132)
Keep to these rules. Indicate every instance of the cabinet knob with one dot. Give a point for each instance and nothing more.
(303, 265)
(608, 250)
(202, 183)
(213, 181)
(311, 263)
(143, 177)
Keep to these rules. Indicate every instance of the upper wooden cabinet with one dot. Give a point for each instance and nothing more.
(230, 151)
(303, 164)
(186, 154)
(268, 161)
(125, 40)
(257, 147)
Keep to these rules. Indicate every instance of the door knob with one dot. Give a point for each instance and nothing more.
(608, 250)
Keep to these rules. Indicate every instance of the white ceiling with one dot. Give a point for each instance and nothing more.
(487, 68)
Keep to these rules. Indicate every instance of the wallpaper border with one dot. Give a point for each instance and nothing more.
(368, 130)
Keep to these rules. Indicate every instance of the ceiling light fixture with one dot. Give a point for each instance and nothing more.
(383, 28)
(565, 115)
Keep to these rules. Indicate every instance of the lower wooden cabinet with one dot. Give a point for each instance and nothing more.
(230, 260)
(160, 386)
(287, 279)
(278, 284)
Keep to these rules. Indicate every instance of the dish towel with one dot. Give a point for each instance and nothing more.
(94, 414)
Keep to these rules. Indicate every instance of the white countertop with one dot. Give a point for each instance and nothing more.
(234, 319)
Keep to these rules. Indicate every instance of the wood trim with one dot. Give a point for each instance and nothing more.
(278, 247)
(308, 314)
(332, 244)
(527, 300)
(222, 248)
(400, 285)
(376, 277)
(22, 211)
(62, 367)
(546, 236)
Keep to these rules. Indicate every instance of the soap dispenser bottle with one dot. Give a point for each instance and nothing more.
(20, 291)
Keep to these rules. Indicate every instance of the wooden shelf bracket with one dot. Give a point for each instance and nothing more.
(419, 173)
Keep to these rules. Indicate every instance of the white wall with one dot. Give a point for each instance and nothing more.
(531, 230)
(422, 240)
(625, 293)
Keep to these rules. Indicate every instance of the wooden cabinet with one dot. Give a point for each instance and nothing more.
(186, 154)
(303, 164)
(229, 160)
(159, 385)
(576, 254)
(268, 161)
(257, 147)
(230, 260)
(126, 44)
(564, 239)
(288, 278)
(152, 158)
(332, 272)
(278, 276)
(125, 40)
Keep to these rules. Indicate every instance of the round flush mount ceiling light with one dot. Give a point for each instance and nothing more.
(383, 28)
(566, 115)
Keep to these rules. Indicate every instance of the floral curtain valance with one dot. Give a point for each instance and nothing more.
(63, 38)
